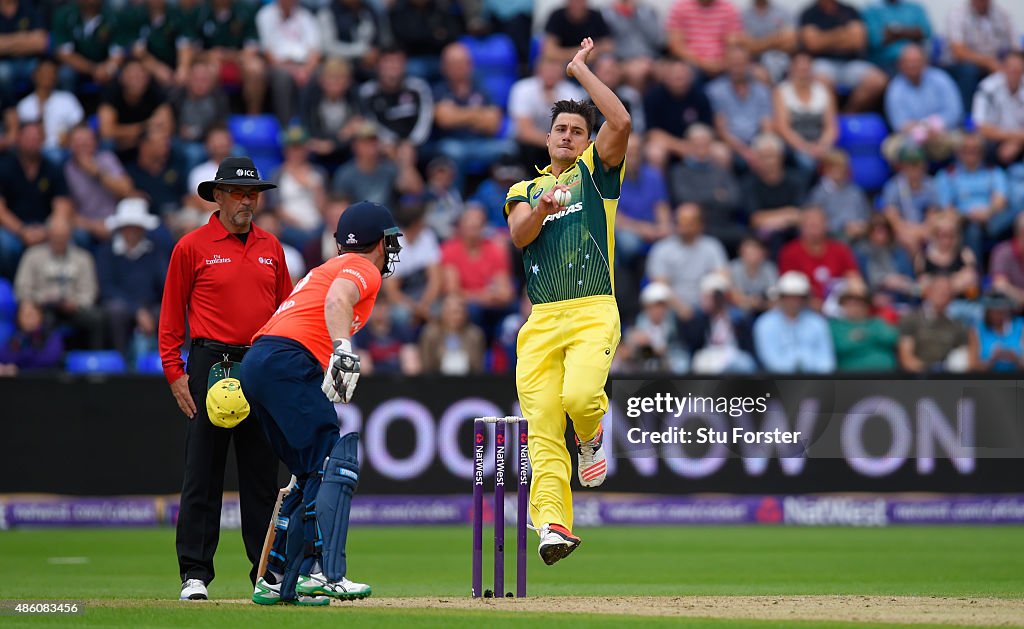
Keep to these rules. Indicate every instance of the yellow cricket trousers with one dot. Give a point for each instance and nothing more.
(565, 351)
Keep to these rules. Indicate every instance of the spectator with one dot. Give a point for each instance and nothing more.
(670, 107)
(805, 112)
(325, 246)
(792, 338)
(290, 40)
(402, 106)
(58, 110)
(96, 181)
(835, 34)
(491, 193)
(609, 71)
(742, 104)
(196, 211)
(887, 267)
(944, 255)
(451, 345)
(422, 28)
(862, 342)
(977, 193)
(820, 258)
(998, 109)
(32, 346)
(721, 333)
(416, 286)
(466, 120)
(442, 197)
(996, 343)
(654, 343)
(156, 33)
(644, 215)
(131, 271)
(330, 113)
(909, 197)
(638, 39)
(371, 176)
(226, 32)
(922, 107)
(385, 348)
(752, 276)
(844, 202)
(130, 106)
(699, 179)
(929, 340)
(698, 32)
(682, 259)
(979, 32)
(84, 41)
(569, 25)
(353, 31)
(769, 35)
(479, 271)
(22, 37)
(31, 190)
(156, 174)
(772, 195)
(529, 105)
(270, 222)
(1006, 266)
(60, 278)
(301, 192)
(891, 26)
(200, 105)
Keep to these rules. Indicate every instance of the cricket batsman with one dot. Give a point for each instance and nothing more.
(564, 221)
(300, 364)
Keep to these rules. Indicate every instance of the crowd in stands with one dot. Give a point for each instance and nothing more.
(829, 191)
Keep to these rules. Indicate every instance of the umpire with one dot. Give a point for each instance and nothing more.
(225, 279)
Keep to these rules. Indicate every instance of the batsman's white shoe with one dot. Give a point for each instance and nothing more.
(193, 590)
(267, 594)
(317, 584)
(592, 467)
(556, 542)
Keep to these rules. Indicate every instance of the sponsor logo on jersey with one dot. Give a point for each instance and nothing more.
(359, 276)
(216, 259)
(572, 209)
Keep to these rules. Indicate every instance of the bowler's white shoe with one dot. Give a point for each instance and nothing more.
(317, 584)
(592, 466)
(556, 542)
(193, 590)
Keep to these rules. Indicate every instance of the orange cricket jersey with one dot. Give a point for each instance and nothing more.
(300, 317)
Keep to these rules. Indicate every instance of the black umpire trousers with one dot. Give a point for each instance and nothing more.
(206, 450)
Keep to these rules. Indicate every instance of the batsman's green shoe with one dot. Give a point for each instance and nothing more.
(318, 585)
(266, 594)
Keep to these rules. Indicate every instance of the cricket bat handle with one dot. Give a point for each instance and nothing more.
(268, 541)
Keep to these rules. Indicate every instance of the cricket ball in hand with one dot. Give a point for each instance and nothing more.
(562, 197)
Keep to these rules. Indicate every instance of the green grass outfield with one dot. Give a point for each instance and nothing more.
(129, 577)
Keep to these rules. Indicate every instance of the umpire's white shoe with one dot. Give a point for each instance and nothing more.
(317, 585)
(193, 590)
(591, 467)
(556, 542)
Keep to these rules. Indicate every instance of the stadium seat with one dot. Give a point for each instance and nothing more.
(149, 363)
(494, 54)
(498, 87)
(256, 134)
(870, 172)
(106, 361)
(535, 45)
(862, 132)
(266, 164)
(8, 304)
(6, 331)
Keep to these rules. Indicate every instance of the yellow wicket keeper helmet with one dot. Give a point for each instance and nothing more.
(226, 405)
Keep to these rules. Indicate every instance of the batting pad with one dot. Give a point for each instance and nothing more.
(341, 477)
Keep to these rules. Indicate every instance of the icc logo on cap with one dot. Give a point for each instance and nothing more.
(241, 172)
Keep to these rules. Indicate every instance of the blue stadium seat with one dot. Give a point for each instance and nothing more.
(535, 46)
(492, 54)
(149, 363)
(859, 133)
(870, 172)
(257, 134)
(6, 331)
(8, 304)
(266, 164)
(498, 87)
(106, 361)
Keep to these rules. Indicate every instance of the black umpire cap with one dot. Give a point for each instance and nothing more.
(234, 171)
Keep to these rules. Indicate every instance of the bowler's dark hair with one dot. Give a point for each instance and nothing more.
(578, 107)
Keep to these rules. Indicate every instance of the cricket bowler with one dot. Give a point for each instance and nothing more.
(300, 364)
(564, 221)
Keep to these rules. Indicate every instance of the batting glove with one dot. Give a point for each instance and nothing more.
(342, 372)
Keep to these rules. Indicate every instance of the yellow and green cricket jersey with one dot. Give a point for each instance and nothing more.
(572, 256)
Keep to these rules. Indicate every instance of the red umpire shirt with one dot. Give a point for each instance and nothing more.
(229, 288)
